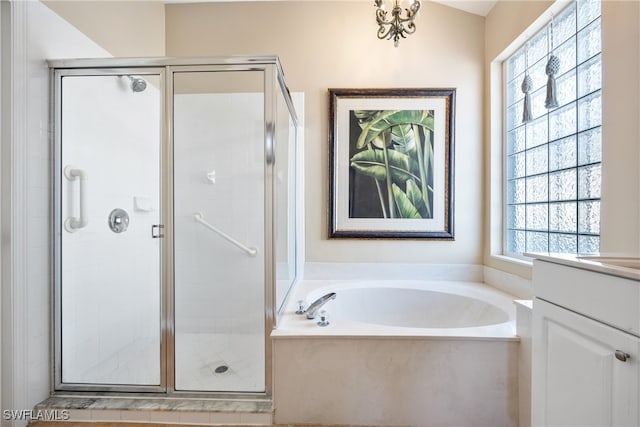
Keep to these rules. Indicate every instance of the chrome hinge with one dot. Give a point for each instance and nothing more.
(156, 232)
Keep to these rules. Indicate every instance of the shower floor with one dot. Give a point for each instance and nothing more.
(201, 360)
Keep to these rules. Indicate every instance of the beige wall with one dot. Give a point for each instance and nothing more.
(620, 217)
(324, 44)
(507, 20)
(620, 225)
(123, 28)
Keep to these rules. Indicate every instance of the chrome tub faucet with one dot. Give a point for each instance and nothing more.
(314, 307)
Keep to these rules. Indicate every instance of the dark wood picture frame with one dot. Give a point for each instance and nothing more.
(391, 163)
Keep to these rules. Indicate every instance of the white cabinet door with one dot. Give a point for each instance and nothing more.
(577, 379)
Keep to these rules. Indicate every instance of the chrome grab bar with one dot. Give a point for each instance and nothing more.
(251, 251)
(73, 224)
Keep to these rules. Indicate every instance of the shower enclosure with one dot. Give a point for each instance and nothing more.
(174, 222)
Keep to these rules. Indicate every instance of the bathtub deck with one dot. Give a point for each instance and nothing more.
(293, 326)
(355, 372)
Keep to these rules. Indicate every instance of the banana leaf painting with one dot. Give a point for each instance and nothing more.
(391, 166)
(391, 159)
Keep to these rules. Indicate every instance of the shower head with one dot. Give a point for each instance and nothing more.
(137, 84)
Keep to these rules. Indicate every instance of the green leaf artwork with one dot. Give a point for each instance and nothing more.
(391, 159)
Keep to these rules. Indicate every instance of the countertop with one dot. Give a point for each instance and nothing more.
(622, 266)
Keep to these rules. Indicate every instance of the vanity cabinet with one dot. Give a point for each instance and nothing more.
(585, 373)
(586, 354)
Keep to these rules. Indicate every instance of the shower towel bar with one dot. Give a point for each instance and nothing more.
(73, 224)
(249, 250)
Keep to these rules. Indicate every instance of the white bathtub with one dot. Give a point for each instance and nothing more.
(412, 353)
(403, 308)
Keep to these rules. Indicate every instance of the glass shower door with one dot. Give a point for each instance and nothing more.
(107, 209)
(219, 223)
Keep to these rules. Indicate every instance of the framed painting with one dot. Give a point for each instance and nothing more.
(391, 163)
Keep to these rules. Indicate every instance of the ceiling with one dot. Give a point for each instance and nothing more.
(477, 7)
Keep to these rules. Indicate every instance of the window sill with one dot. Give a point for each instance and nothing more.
(522, 267)
(520, 262)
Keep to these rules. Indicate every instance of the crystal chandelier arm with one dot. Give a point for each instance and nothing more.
(381, 17)
(383, 30)
(412, 11)
(410, 28)
(384, 33)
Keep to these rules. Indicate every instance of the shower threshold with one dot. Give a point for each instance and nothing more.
(163, 410)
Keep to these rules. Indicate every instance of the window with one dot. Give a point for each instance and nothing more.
(553, 161)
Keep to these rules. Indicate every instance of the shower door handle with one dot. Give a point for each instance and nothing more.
(73, 224)
(156, 232)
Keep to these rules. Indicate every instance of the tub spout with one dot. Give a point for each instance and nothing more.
(315, 306)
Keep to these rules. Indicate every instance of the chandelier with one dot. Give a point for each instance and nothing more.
(396, 26)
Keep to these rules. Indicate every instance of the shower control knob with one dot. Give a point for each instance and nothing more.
(118, 220)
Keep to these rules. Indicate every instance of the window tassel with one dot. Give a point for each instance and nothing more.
(553, 65)
(552, 68)
(527, 85)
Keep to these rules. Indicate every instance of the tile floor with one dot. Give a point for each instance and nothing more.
(176, 411)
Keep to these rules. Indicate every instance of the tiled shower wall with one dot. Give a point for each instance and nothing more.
(219, 288)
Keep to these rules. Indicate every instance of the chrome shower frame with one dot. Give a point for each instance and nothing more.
(165, 67)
